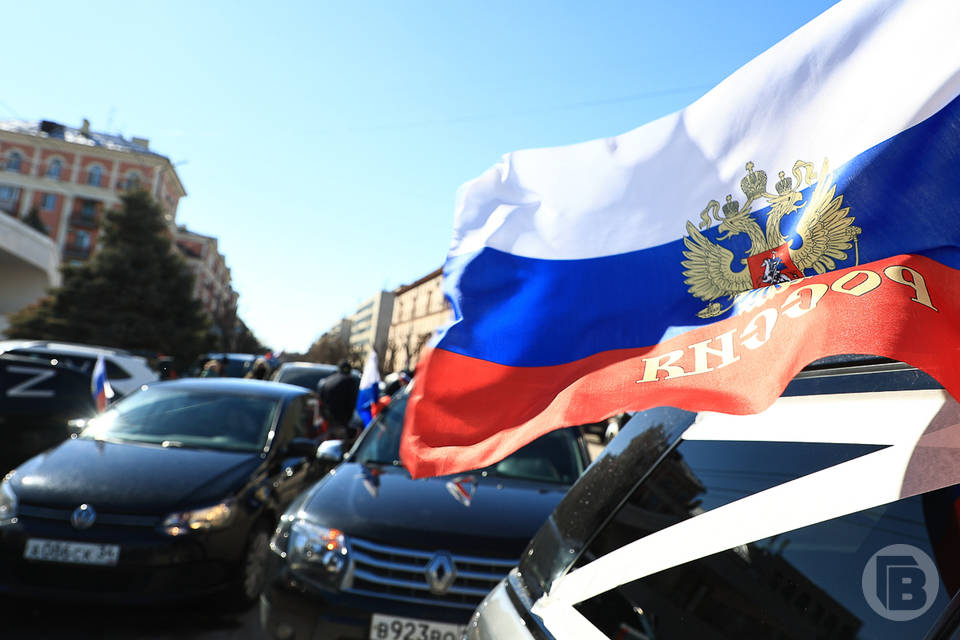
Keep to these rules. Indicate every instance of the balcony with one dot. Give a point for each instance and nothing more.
(85, 220)
(76, 252)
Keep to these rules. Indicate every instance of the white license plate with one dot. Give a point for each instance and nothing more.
(396, 628)
(71, 552)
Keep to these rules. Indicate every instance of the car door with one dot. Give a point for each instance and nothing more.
(292, 473)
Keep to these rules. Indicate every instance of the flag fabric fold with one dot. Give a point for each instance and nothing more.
(99, 385)
(369, 388)
(804, 207)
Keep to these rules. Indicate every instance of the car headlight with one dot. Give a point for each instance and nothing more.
(315, 551)
(215, 517)
(8, 504)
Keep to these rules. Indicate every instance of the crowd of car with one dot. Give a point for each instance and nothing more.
(224, 490)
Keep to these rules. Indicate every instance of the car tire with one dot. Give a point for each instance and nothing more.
(251, 571)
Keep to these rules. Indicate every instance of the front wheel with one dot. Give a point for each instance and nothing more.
(252, 573)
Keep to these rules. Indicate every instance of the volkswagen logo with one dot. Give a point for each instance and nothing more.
(83, 517)
(441, 572)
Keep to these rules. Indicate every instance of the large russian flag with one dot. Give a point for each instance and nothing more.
(610, 276)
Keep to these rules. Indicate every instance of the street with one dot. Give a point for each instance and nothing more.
(41, 621)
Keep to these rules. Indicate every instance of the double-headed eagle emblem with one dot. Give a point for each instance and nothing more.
(825, 228)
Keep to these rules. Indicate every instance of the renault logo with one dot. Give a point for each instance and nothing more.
(441, 572)
(83, 517)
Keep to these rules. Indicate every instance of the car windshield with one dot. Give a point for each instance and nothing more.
(551, 458)
(306, 377)
(193, 419)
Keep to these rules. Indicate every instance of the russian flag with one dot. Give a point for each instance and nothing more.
(621, 274)
(369, 388)
(100, 386)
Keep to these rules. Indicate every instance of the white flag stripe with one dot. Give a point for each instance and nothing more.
(874, 418)
(869, 481)
(563, 621)
(371, 372)
(855, 76)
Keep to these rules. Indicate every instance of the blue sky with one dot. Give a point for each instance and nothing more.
(323, 142)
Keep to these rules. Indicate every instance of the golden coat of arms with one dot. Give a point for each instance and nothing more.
(825, 228)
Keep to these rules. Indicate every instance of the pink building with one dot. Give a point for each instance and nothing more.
(212, 284)
(72, 175)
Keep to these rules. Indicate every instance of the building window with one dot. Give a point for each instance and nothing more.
(49, 202)
(88, 208)
(8, 194)
(133, 180)
(55, 169)
(14, 159)
(95, 175)
(83, 240)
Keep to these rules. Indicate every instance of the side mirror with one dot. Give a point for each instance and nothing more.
(75, 426)
(330, 451)
(301, 448)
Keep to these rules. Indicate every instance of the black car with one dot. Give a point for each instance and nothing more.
(172, 493)
(833, 514)
(38, 398)
(234, 365)
(303, 374)
(370, 553)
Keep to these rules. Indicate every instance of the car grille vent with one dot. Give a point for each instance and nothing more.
(29, 511)
(400, 574)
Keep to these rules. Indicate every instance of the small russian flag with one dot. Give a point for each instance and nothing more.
(100, 386)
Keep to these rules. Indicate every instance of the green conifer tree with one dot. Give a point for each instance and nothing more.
(135, 293)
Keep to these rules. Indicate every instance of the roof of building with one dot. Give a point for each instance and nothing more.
(57, 131)
(406, 287)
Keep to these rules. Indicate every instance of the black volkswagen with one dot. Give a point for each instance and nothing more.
(369, 552)
(172, 493)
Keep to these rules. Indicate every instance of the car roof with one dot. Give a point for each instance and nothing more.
(73, 347)
(309, 365)
(215, 355)
(239, 386)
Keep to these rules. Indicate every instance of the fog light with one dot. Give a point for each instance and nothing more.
(283, 631)
(332, 562)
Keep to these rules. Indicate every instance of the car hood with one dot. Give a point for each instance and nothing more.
(482, 516)
(130, 478)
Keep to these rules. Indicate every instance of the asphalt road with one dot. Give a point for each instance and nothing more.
(37, 621)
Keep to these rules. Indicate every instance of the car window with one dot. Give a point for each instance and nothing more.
(188, 419)
(810, 582)
(115, 371)
(79, 363)
(550, 458)
(553, 457)
(306, 377)
(380, 443)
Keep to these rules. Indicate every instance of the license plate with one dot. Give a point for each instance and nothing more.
(396, 628)
(71, 552)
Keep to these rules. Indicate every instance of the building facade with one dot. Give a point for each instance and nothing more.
(212, 282)
(29, 265)
(370, 325)
(419, 309)
(72, 175)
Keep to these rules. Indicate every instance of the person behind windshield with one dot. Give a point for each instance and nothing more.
(259, 371)
(211, 369)
(338, 397)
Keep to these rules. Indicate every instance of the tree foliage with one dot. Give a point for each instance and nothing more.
(135, 293)
(332, 349)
